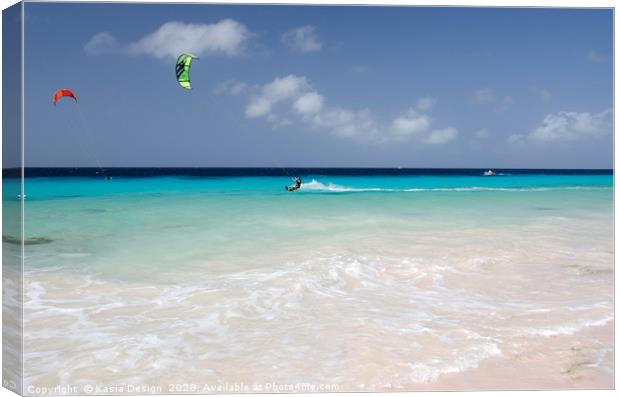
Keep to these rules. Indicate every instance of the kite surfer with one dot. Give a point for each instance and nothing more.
(296, 186)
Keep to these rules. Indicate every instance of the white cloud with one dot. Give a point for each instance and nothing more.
(440, 137)
(415, 123)
(302, 39)
(226, 37)
(483, 96)
(348, 123)
(280, 89)
(594, 56)
(411, 123)
(481, 134)
(101, 43)
(425, 104)
(570, 126)
(298, 100)
(309, 103)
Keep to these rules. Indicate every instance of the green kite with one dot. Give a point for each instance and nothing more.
(182, 70)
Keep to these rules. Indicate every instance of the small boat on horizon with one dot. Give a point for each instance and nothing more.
(489, 173)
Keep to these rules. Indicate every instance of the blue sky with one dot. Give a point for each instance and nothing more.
(319, 86)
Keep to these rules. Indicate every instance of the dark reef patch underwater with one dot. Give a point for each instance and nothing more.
(29, 241)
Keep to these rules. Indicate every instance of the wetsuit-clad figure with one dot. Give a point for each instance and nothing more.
(296, 186)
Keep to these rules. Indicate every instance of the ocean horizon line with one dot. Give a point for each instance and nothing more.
(308, 167)
(33, 172)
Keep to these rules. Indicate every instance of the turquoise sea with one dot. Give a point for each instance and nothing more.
(222, 278)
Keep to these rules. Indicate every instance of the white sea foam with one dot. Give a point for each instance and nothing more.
(423, 373)
(315, 185)
(568, 329)
(330, 312)
(331, 187)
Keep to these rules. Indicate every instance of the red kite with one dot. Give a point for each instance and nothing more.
(62, 93)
